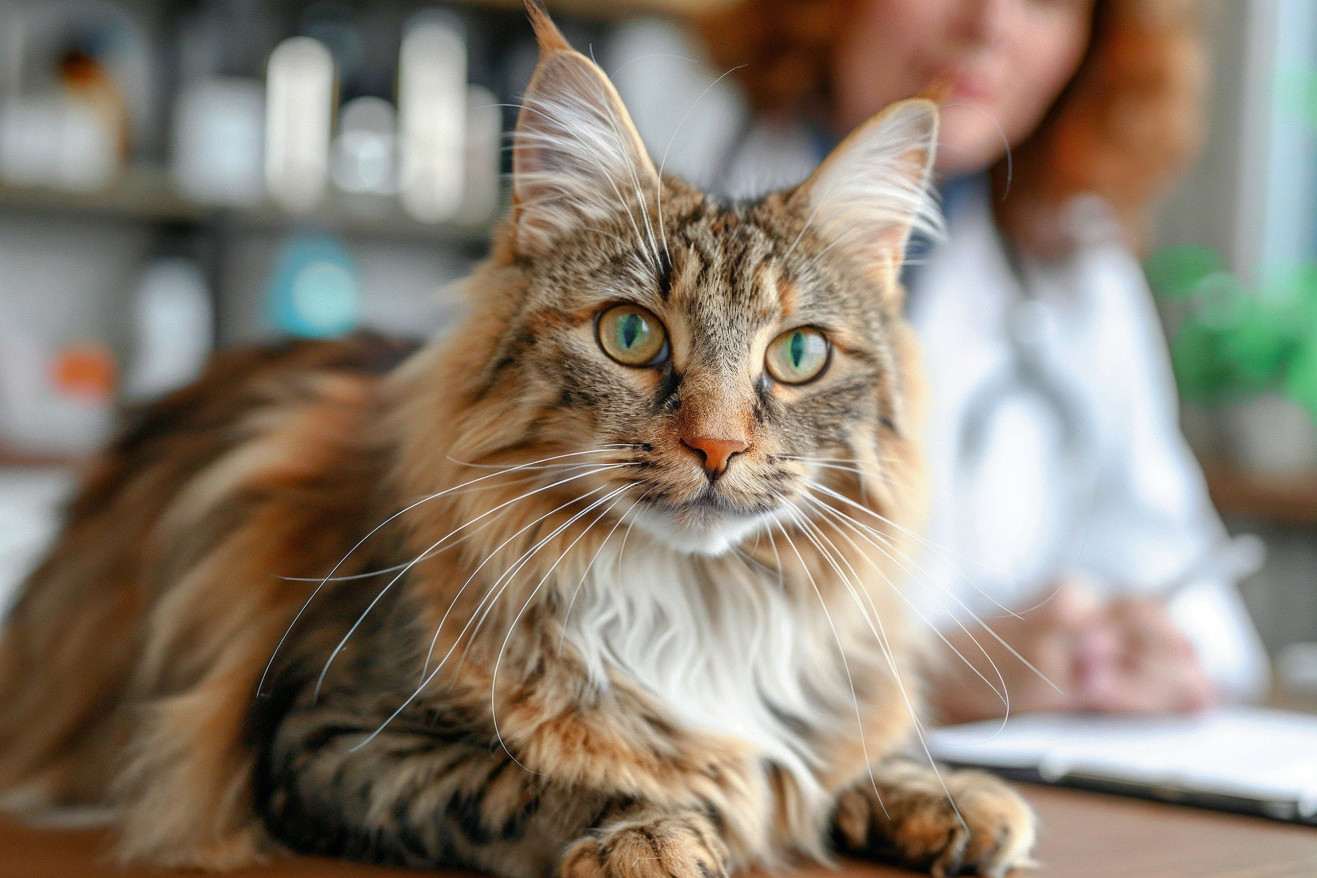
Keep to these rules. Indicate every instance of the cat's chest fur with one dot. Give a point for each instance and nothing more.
(720, 641)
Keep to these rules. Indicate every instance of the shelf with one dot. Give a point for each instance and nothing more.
(9, 457)
(138, 193)
(1282, 498)
(616, 8)
(146, 194)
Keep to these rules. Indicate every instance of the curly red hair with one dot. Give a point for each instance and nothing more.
(1124, 127)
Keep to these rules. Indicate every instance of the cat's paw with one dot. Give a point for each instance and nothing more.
(664, 847)
(989, 831)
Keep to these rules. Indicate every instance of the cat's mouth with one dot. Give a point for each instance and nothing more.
(706, 525)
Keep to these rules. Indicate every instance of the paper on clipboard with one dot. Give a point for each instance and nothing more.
(1235, 758)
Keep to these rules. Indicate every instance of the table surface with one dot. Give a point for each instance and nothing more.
(1083, 835)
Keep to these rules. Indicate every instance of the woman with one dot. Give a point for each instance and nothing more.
(1068, 513)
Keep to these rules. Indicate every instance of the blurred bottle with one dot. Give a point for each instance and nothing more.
(315, 291)
(366, 148)
(432, 115)
(217, 138)
(217, 150)
(172, 328)
(55, 141)
(90, 85)
(76, 92)
(484, 142)
(299, 108)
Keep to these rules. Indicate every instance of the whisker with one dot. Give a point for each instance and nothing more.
(850, 466)
(541, 464)
(489, 557)
(880, 634)
(370, 574)
(506, 577)
(1001, 693)
(960, 603)
(498, 659)
(260, 687)
(842, 518)
(945, 555)
(595, 557)
(400, 574)
(663, 163)
(1001, 135)
(841, 651)
(505, 580)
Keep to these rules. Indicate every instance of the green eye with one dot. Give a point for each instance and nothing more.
(632, 336)
(798, 356)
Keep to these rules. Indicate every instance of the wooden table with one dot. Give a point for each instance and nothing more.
(1084, 835)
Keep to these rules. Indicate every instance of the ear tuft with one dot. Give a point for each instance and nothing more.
(548, 36)
(576, 155)
(874, 187)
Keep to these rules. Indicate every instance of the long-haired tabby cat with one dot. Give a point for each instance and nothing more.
(608, 583)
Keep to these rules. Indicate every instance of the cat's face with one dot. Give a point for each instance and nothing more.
(728, 358)
(725, 372)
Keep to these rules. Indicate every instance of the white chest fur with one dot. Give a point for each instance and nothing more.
(719, 641)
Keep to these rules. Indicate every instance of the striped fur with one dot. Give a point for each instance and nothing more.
(482, 603)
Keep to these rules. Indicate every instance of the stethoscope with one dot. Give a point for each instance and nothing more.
(1026, 372)
(1026, 376)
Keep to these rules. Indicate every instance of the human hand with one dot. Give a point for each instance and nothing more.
(1072, 653)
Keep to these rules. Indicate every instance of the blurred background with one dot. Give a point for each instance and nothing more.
(181, 176)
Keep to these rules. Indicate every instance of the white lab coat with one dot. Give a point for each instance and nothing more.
(1022, 494)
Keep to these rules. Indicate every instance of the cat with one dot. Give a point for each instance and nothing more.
(607, 583)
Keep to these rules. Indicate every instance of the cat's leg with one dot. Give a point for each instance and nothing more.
(426, 794)
(421, 795)
(650, 844)
(904, 813)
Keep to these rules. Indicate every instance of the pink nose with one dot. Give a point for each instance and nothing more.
(716, 452)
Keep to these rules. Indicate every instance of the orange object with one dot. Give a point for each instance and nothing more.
(85, 371)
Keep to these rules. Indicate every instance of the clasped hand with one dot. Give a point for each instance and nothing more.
(1121, 655)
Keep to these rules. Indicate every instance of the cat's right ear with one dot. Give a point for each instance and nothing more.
(576, 155)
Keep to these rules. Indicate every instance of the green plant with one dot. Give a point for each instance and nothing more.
(1232, 342)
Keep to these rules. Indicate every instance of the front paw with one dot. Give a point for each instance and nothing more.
(682, 846)
(988, 831)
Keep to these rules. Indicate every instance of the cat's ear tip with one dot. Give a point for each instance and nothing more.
(547, 34)
(918, 110)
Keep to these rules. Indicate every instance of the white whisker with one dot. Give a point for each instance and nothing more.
(663, 162)
(881, 634)
(260, 687)
(841, 650)
(487, 601)
(567, 614)
(400, 574)
(843, 519)
(498, 659)
(938, 551)
(474, 573)
(951, 594)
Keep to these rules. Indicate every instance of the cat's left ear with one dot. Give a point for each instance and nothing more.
(576, 155)
(873, 189)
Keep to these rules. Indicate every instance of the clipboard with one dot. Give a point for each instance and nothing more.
(1245, 760)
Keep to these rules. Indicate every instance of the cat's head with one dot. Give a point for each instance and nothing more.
(734, 359)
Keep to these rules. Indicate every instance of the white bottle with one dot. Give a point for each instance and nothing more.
(432, 71)
(299, 115)
(173, 329)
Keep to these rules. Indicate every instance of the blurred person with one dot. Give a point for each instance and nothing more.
(1068, 514)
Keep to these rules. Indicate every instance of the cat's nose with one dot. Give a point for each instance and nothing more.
(715, 452)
